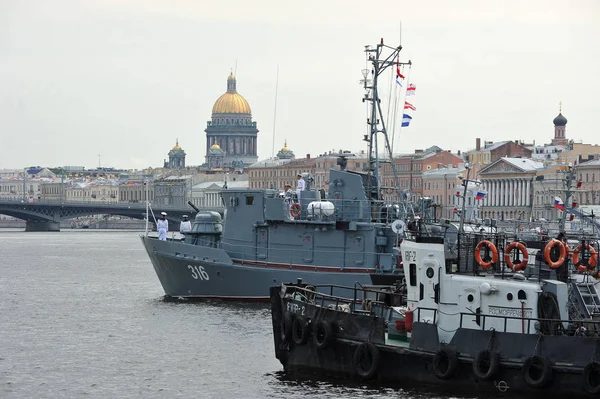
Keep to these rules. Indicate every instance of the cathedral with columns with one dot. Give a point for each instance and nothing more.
(231, 135)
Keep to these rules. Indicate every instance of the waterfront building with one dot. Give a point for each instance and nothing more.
(231, 128)
(440, 185)
(410, 168)
(548, 184)
(173, 190)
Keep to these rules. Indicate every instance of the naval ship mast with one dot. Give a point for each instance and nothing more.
(376, 121)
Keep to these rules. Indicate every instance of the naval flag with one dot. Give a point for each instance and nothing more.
(399, 76)
(406, 120)
(409, 106)
(410, 90)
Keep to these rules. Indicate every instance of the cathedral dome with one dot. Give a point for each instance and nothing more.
(560, 120)
(176, 147)
(231, 102)
(215, 146)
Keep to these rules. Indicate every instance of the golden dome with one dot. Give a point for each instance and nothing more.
(215, 146)
(285, 147)
(177, 147)
(231, 102)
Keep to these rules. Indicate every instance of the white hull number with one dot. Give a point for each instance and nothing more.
(198, 272)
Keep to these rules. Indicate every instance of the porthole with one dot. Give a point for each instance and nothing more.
(522, 295)
(509, 296)
(470, 298)
(430, 272)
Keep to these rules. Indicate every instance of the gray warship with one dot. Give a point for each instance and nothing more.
(348, 235)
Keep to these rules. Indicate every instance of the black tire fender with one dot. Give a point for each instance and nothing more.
(300, 331)
(366, 360)
(323, 334)
(591, 378)
(486, 365)
(537, 371)
(286, 327)
(445, 363)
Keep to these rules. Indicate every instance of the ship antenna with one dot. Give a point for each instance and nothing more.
(375, 122)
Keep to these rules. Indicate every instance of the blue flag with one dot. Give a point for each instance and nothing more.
(406, 120)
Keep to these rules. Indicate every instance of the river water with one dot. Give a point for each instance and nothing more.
(82, 315)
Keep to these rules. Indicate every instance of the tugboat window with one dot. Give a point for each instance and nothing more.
(250, 200)
(509, 296)
(412, 274)
(429, 272)
(470, 298)
(522, 295)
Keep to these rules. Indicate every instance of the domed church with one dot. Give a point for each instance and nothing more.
(231, 130)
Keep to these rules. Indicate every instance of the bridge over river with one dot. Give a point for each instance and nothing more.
(43, 215)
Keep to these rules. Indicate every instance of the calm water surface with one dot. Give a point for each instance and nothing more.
(82, 315)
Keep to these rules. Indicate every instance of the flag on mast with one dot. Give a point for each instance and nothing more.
(406, 120)
(410, 90)
(399, 76)
(480, 195)
(408, 105)
(559, 204)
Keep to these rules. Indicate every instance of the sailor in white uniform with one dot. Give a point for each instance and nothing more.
(185, 226)
(162, 225)
(301, 186)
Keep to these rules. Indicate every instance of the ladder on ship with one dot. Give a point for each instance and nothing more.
(587, 298)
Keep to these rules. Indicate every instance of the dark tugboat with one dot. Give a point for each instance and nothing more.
(484, 319)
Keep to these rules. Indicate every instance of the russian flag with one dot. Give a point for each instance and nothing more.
(406, 120)
(558, 203)
(480, 195)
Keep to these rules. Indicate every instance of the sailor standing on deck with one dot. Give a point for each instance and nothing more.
(288, 195)
(162, 225)
(300, 187)
(185, 226)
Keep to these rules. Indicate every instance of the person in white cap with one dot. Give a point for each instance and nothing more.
(162, 225)
(300, 187)
(185, 226)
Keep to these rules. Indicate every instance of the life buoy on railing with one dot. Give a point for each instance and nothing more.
(509, 262)
(295, 209)
(492, 248)
(548, 250)
(591, 262)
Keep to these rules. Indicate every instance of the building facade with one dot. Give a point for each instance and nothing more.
(509, 186)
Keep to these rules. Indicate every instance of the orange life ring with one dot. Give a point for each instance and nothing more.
(521, 247)
(479, 260)
(563, 253)
(592, 261)
(295, 209)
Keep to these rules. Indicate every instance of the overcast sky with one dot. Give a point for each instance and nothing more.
(124, 78)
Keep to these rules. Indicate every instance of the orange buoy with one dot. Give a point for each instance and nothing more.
(492, 248)
(563, 253)
(591, 262)
(507, 259)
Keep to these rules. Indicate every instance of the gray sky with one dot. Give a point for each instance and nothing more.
(125, 78)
